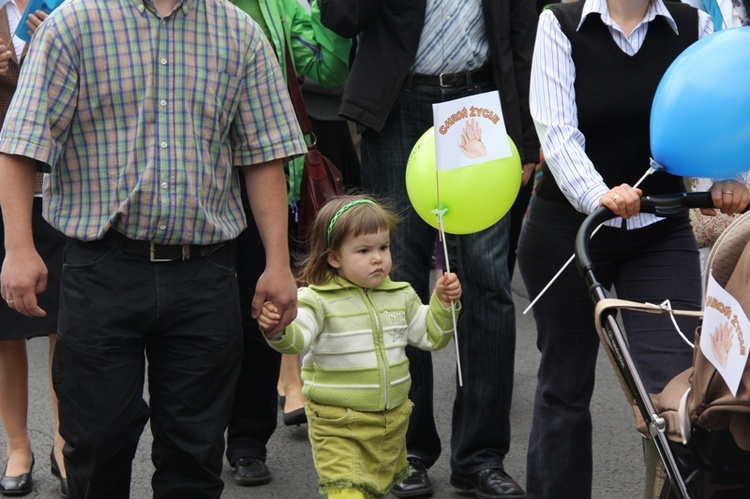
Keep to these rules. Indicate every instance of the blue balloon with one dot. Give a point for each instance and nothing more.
(700, 117)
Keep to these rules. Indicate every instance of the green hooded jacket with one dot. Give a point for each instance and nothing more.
(355, 341)
(316, 52)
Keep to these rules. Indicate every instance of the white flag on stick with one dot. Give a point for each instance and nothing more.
(469, 130)
(723, 334)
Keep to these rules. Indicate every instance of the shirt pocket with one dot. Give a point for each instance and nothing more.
(214, 97)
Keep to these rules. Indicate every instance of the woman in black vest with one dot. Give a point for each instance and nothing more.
(596, 67)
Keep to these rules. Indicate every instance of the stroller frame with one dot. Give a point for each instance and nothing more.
(615, 342)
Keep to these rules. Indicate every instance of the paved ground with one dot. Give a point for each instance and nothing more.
(618, 464)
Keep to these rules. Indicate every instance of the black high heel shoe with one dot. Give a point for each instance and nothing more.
(55, 469)
(17, 485)
(295, 418)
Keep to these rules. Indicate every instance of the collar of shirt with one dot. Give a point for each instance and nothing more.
(148, 5)
(655, 8)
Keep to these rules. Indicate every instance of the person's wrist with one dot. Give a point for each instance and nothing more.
(275, 337)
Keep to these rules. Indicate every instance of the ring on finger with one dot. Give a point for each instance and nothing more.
(728, 192)
(615, 197)
(10, 302)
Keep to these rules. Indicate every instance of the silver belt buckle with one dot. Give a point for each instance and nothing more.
(152, 254)
(440, 80)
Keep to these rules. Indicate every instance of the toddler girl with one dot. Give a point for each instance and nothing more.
(354, 323)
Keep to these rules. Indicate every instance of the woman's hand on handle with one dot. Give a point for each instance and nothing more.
(729, 196)
(623, 200)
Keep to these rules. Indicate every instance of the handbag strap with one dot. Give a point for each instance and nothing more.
(296, 94)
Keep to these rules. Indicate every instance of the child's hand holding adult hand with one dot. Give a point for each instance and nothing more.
(448, 289)
(269, 318)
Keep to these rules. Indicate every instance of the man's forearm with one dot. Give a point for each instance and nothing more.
(267, 193)
(16, 200)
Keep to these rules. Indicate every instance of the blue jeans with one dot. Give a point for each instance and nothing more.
(116, 310)
(645, 265)
(486, 330)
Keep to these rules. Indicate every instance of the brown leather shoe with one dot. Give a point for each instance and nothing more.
(418, 484)
(491, 483)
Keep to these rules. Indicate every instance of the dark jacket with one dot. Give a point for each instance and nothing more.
(389, 37)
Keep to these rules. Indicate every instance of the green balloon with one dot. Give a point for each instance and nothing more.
(474, 197)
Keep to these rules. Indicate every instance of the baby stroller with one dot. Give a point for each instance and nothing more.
(699, 461)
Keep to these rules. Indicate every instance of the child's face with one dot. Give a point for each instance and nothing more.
(364, 260)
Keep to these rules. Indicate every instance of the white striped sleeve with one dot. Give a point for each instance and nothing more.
(705, 24)
(553, 107)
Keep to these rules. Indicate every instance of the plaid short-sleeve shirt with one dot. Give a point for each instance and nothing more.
(143, 119)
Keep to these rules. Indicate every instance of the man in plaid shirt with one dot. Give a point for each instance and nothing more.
(144, 112)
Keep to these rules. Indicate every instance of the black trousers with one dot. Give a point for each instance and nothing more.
(184, 316)
(254, 411)
(651, 264)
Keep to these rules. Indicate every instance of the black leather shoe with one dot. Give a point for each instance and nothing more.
(251, 471)
(17, 485)
(418, 484)
(488, 484)
(295, 418)
(55, 469)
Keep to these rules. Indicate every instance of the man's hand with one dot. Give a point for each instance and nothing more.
(23, 277)
(276, 285)
(527, 172)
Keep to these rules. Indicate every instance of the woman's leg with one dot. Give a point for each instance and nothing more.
(14, 402)
(59, 440)
(290, 382)
(560, 459)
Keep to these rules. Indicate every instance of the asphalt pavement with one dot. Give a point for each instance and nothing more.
(618, 462)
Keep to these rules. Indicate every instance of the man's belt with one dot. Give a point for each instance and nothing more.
(157, 252)
(453, 80)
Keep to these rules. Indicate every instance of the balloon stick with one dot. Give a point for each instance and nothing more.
(651, 169)
(440, 212)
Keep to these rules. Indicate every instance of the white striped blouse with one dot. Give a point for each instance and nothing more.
(553, 103)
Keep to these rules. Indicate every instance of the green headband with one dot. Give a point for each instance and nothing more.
(341, 212)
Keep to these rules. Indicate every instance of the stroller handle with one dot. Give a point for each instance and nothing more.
(663, 205)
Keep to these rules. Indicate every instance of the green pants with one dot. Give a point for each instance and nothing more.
(361, 450)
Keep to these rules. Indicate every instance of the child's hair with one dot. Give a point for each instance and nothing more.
(338, 218)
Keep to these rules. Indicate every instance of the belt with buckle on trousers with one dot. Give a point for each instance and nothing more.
(453, 80)
(157, 252)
